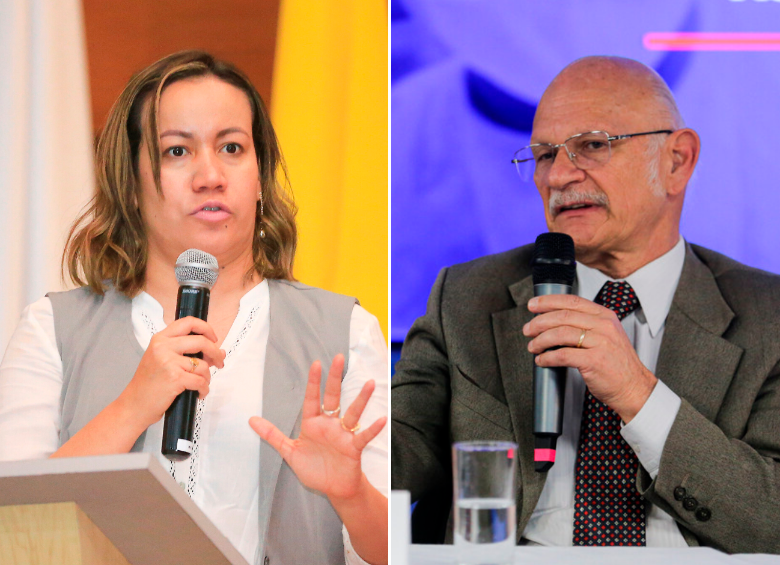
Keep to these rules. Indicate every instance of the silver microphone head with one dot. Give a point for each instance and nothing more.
(197, 268)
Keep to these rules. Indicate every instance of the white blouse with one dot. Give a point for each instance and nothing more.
(221, 476)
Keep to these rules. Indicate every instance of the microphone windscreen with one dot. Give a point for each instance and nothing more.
(553, 259)
(197, 268)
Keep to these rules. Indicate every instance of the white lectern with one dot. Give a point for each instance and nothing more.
(111, 509)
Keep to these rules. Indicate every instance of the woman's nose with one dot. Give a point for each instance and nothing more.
(209, 174)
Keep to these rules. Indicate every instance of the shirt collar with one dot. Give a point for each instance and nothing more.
(654, 284)
(256, 296)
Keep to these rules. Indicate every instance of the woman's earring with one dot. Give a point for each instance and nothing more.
(262, 231)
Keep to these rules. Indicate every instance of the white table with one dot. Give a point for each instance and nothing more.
(445, 555)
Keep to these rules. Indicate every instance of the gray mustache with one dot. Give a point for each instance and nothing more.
(574, 197)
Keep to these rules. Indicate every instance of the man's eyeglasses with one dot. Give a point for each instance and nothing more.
(587, 151)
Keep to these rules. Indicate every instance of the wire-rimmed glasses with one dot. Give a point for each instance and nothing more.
(588, 150)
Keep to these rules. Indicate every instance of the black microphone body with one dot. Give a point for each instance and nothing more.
(180, 416)
(554, 270)
(196, 272)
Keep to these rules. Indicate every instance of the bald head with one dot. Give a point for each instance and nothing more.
(619, 84)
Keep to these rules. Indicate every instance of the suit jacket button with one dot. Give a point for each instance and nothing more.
(679, 493)
(690, 503)
(703, 514)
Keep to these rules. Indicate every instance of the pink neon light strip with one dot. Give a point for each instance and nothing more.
(710, 41)
(544, 455)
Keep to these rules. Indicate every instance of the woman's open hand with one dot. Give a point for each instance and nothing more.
(326, 454)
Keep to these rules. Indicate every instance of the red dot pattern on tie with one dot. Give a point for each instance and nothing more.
(608, 510)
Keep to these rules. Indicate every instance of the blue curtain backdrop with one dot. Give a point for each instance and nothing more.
(467, 76)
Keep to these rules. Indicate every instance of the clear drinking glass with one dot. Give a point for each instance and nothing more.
(484, 482)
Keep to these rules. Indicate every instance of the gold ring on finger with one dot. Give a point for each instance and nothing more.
(334, 412)
(350, 430)
(582, 338)
(194, 364)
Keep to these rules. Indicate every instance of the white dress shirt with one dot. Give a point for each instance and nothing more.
(552, 521)
(222, 478)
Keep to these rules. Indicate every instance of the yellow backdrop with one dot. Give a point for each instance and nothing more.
(329, 107)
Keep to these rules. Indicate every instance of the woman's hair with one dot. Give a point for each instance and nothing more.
(108, 242)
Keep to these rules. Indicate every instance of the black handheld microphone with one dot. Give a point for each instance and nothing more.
(554, 270)
(196, 272)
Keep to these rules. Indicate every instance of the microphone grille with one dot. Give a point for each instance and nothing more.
(196, 267)
(553, 259)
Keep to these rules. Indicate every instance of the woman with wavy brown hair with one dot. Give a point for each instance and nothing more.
(189, 159)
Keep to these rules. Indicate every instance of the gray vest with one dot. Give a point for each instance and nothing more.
(99, 357)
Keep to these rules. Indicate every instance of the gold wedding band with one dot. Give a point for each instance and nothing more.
(334, 412)
(350, 430)
(194, 364)
(582, 338)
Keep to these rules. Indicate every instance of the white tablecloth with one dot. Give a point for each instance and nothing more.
(445, 555)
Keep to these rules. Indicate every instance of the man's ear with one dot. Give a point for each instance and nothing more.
(684, 145)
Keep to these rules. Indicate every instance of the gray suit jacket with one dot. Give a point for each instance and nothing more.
(465, 374)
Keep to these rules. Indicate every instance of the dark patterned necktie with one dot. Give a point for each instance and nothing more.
(608, 510)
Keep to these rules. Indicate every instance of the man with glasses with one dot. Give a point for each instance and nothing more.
(671, 431)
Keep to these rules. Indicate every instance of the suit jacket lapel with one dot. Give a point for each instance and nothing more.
(516, 365)
(695, 361)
